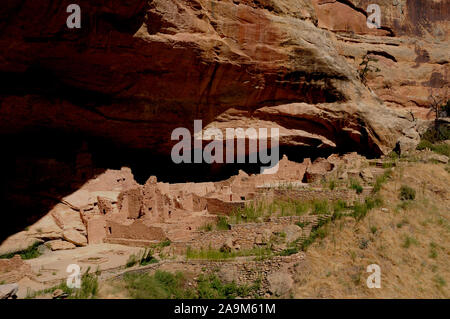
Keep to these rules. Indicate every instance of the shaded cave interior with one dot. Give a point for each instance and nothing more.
(41, 166)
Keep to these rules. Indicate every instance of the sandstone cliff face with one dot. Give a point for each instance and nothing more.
(138, 69)
(411, 47)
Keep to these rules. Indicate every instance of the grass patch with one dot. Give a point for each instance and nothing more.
(432, 138)
(402, 223)
(380, 180)
(339, 206)
(161, 285)
(165, 285)
(161, 245)
(332, 184)
(206, 228)
(144, 258)
(289, 251)
(440, 282)
(360, 210)
(222, 223)
(433, 251)
(437, 133)
(29, 253)
(88, 289)
(320, 207)
(257, 211)
(302, 224)
(279, 208)
(132, 260)
(35, 294)
(211, 287)
(147, 258)
(249, 213)
(408, 241)
(354, 184)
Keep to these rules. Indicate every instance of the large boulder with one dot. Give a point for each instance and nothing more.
(59, 244)
(292, 232)
(67, 218)
(45, 229)
(75, 237)
(280, 283)
(408, 142)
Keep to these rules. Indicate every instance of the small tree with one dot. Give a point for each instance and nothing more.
(436, 103)
(365, 68)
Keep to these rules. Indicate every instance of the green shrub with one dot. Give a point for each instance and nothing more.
(302, 224)
(439, 281)
(89, 287)
(206, 228)
(165, 285)
(380, 180)
(161, 285)
(62, 286)
(318, 231)
(320, 207)
(147, 258)
(339, 206)
(423, 144)
(249, 213)
(29, 253)
(132, 260)
(211, 287)
(437, 133)
(407, 193)
(363, 244)
(440, 148)
(388, 164)
(356, 186)
(361, 210)
(289, 251)
(222, 223)
(433, 252)
(332, 184)
(165, 243)
(408, 241)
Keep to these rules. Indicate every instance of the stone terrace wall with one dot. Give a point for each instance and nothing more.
(242, 271)
(246, 235)
(220, 207)
(347, 195)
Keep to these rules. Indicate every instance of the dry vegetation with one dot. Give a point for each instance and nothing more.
(409, 240)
